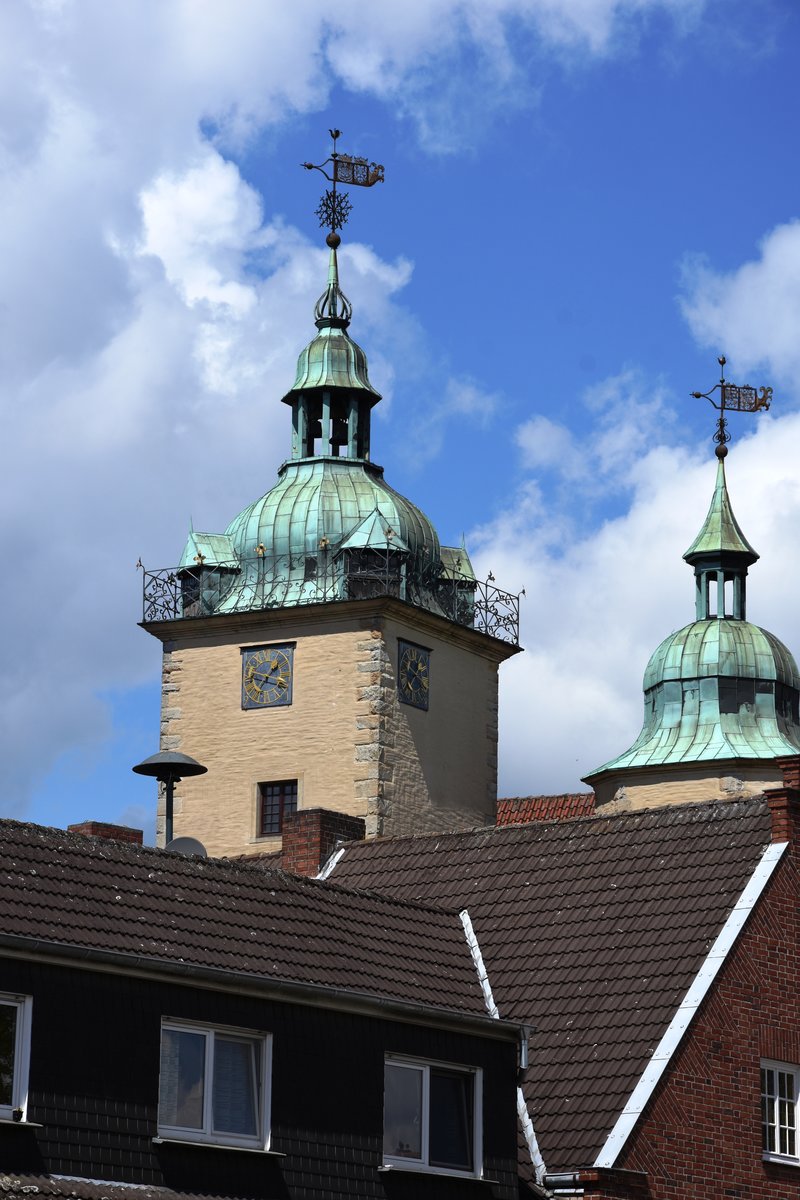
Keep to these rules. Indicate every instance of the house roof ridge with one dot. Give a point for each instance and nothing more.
(262, 874)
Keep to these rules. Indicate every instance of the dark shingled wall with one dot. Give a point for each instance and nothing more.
(94, 1089)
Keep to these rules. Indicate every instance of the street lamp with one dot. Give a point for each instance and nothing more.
(169, 767)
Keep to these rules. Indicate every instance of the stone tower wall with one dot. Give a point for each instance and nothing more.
(346, 738)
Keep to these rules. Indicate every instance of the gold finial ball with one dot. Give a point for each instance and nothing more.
(721, 452)
(334, 241)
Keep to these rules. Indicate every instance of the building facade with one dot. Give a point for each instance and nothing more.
(327, 650)
(211, 1028)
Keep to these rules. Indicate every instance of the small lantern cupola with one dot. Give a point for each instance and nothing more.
(332, 397)
(720, 555)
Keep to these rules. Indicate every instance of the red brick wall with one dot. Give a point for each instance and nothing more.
(117, 833)
(701, 1133)
(311, 835)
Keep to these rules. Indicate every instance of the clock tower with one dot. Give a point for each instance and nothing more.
(326, 651)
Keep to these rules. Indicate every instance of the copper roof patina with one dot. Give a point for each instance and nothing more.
(721, 532)
(332, 359)
(720, 688)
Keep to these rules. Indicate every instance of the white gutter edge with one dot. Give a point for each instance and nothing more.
(526, 1124)
(331, 862)
(698, 989)
(480, 966)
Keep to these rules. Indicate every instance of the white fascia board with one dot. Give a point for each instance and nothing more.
(480, 966)
(697, 992)
(526, 1124)
(331, 863)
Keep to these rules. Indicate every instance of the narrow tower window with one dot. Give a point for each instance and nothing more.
(275, 802)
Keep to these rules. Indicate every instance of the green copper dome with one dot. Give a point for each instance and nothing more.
(331, 528)
(319, 510)
(720, 688)
(721, 648)
(716, 689)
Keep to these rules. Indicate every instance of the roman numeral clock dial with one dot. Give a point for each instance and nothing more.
(413, 674)
(267, 676)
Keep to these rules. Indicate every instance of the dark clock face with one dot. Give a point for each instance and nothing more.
(413, 674)
(267, 673)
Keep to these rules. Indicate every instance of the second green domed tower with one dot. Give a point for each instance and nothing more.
(721, 695)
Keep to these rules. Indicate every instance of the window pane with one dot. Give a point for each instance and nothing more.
(768, 1110)
(277, 800)
(786, 1112)
(402, 1114)
(8, 1038)
(234, 1092)
(451, 1120)
(183, 1064)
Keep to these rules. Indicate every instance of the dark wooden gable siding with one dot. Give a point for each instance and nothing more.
(94, 1089)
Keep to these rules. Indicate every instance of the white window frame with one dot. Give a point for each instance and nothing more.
(423, 1163)
(768, 1064)
(208, 1135)
(22, 1056)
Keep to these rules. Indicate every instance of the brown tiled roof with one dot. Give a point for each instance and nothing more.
(591, 931)
(28, 1187)
(107, 896)
(517, 810)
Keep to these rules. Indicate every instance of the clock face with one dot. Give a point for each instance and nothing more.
(413, 674)
(267, 673)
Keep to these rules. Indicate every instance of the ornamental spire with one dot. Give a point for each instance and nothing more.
(721, 554)
(333, 305)
(333, 211)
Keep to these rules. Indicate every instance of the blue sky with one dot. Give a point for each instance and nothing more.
(585, 202)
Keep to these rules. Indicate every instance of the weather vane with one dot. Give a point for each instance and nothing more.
(732, 399)
(335, 207)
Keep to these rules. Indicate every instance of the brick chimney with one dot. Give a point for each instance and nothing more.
(311, 835)
(115, 833)
(784, 802)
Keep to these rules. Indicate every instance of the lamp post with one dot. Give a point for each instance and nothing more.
(169, 767)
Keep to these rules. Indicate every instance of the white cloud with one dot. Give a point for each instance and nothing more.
(460, 399)
(200, 224)
(751, 314)
(622, 413)
(152, 306)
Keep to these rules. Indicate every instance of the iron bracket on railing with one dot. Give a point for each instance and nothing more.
(210, 589)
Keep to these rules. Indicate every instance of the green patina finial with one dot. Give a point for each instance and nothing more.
(333, 305)
(720, 532)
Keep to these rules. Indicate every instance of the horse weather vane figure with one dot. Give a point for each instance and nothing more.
(335, 207)
(733, 398)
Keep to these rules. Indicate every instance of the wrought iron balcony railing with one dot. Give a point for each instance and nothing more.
(247, 585)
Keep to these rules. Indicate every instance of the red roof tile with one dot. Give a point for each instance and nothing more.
(108, 896)
(591, 930)
(518, 810)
